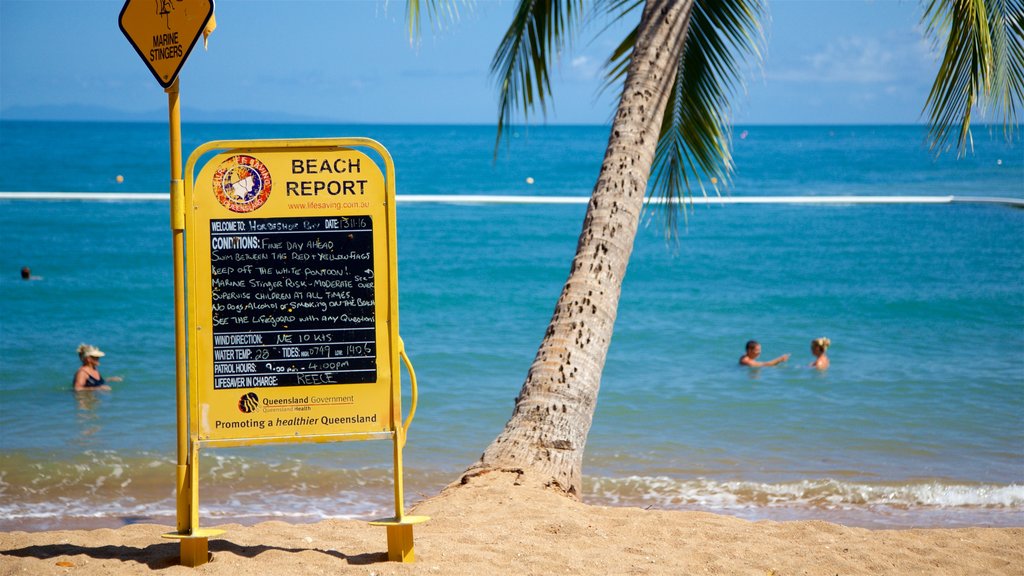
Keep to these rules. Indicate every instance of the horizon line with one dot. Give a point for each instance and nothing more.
(987, 127)
(484, 124)
(512, 199)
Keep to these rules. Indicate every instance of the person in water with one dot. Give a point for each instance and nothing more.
(818, 348)
(88, 376)
(753, 351)
(26, 274)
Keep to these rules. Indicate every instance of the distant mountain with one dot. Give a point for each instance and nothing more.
(101, 114)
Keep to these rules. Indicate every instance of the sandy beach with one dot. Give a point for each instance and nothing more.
(492, 526)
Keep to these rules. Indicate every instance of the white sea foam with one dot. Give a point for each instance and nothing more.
(822, 494)
(242, 507)
(912, 504)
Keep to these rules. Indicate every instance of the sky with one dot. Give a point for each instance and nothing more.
(351, 61)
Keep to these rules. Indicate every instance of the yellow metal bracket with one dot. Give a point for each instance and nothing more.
(177, 204)
(414, 395)
(195, 541)
(400, 548)
(195, 546)
(399, 527)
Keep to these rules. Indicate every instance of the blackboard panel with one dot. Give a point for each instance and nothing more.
(293, 302)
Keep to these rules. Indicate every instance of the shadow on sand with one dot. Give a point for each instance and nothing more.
(165, 555)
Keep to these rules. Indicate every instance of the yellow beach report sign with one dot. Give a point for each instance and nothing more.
(292, 294)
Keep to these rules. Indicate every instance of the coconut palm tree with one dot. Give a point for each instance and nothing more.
(680, 65)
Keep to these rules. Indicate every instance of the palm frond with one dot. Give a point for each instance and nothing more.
(440, 12)
(695, 141)
(618, 63)
(1006, 19)
(982, 64)
(539, 31)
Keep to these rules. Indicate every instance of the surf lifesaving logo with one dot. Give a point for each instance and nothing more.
(241, 183)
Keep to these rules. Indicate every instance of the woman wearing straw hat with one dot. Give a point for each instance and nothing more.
(88, 375)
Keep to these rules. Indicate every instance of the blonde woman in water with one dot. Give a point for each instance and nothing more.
(818, 347)
(88, 375)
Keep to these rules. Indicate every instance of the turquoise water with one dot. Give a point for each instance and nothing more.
(917, 423)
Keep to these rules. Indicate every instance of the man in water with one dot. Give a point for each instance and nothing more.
(753, 351)
(26, 274)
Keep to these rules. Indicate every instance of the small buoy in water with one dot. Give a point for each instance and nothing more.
(999, 162)
(714, 180)
(119, 178)
(529, 179)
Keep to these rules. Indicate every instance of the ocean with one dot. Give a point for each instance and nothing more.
(918, 422)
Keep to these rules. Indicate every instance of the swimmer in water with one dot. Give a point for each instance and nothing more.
(88, 376)
(818, 348)
(26, 274)
(753, 351)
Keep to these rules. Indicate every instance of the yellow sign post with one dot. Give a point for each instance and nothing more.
(293, 303)
(163, 33)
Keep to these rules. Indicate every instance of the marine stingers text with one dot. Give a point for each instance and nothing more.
(166, 46)
(336, 181)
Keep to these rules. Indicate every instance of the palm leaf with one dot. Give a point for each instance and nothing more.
(539, 31)
(618, 63)
(1006, 19)
(694, 143)
(440, 12)
(982, 64)
(695, 140)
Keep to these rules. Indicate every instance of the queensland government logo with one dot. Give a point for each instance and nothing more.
(241, 183)
(248, 403)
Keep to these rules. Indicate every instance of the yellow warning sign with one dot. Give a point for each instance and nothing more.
(163, 32)
(292, 284)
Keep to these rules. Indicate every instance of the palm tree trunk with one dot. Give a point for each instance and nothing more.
(546, 435)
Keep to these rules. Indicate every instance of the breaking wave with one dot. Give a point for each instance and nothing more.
(866, 504)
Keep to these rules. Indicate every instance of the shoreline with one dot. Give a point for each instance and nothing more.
(493, 526)
(112, 490)
(877, 509)
(868, 519)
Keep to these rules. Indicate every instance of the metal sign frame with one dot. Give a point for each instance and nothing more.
(272, 163)
(241, 179)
